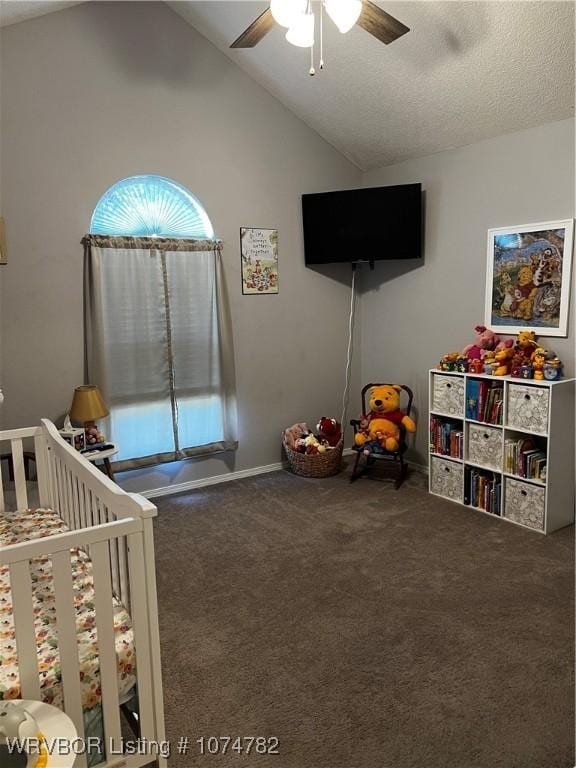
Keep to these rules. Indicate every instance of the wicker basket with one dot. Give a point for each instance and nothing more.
(318, 465)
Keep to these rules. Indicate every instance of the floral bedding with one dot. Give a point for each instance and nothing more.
(33, 524)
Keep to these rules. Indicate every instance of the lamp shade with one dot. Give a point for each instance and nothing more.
(302, 31)
(87, 404)
(344, 13)
(286, 12)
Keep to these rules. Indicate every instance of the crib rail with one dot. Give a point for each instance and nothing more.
(58, 547)
(115, 529)
(12, 451)
(84, 497)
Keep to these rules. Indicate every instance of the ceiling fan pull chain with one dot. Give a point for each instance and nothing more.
(311, 71)
(321, 34)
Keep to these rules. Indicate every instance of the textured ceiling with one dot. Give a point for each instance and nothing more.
(466, 71)
(13, 11)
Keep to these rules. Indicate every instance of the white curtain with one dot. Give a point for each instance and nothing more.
(159, 345)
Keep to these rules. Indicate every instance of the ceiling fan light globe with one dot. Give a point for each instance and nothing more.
(301, 33)
(286, 12)
(344, 13)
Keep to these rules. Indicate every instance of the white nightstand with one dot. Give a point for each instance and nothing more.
(104, 457)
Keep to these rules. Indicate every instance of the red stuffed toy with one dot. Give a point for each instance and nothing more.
(330, 430)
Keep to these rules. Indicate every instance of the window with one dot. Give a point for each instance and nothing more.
(158, 337)
(150, 206)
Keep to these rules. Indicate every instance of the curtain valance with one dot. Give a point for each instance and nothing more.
(150, 243)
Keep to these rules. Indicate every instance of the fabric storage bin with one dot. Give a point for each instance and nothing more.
(446, 478)
(525, 503)
(485, 446)
(448, 395)
(528, 407)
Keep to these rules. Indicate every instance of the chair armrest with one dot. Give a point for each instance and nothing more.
(355, 423)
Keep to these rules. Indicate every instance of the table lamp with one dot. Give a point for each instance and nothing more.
(87, 406)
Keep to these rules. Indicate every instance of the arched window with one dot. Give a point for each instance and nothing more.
(150, 206)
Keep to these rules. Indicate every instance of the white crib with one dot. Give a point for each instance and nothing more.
(112, 529)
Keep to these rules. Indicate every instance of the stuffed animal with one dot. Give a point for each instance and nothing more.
(382, 422)
(485, 339)
(503, 358)
(489, 361)
(539, 357)
(93, 435)
(448, 362)
(524, 348)
(330, 430)
(504, 344)
(295, 433)
(311, 445)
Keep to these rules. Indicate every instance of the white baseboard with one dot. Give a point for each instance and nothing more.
(226, 477)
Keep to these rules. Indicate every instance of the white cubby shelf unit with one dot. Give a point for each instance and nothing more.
(508, 453)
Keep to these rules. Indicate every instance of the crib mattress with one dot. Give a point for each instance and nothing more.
(32, 524)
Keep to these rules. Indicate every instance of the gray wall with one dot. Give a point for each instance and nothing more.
(414, 313)
(103, 91)
(89, 97)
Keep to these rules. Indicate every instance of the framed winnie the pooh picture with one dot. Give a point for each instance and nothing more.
(528, 278)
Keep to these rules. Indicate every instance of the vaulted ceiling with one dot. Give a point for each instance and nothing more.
(13, 11)
(466, 71)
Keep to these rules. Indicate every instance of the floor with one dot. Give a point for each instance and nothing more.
(362, 627)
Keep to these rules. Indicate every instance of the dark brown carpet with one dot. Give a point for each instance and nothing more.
(364, 627)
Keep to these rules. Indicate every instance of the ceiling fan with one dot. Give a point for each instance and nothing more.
(298, 16)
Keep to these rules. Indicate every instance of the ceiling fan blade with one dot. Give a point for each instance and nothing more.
(256, 31)
(380, 24)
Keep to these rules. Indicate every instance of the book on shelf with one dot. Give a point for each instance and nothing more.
(446, 437)
(523, 457)
(472, 392)
(483, 489)
(484, 401)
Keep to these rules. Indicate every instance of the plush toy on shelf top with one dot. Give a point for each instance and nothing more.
(485, 340)
(503, 355)
(523, 358)
(524, 348)
(539, 357)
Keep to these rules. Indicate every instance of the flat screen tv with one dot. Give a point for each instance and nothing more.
(367, 224)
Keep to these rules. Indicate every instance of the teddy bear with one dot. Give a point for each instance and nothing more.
(485, 339)
(502, 357)
(524, 348)
(382, 422)
(448, 361)
(310, 445)
(93, 435)
(294, 433)
(489, 361)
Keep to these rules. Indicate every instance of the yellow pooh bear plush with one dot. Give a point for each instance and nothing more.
(382, 422)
